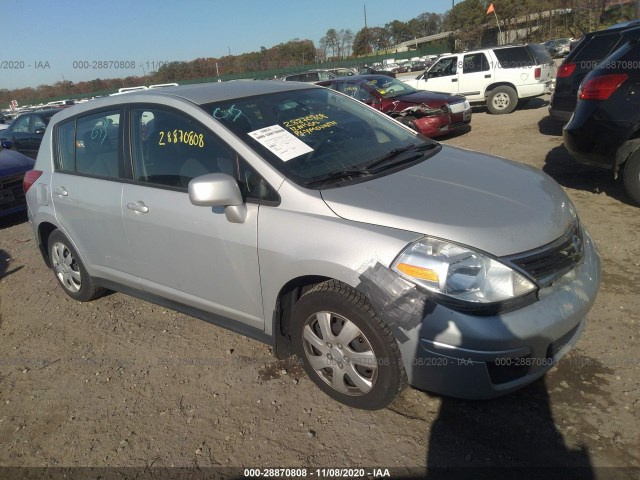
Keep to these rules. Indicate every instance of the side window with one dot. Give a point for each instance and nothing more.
(444, 67)
(97, 140)
(22, 124)
(38, 123)
(514, 57)
(169, 149)
(66, 147)
(597, 48)
(475, 62)
(89, 145)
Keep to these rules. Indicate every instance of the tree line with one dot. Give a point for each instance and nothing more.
(467, 19)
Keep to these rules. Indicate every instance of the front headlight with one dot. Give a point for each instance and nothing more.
(461, 273)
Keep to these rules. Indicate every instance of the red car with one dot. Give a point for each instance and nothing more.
(429, 113)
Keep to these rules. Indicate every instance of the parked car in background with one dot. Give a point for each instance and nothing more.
(431, 114)
(605, 127)
(374, 71)
(558, 47)
(26, 130)
(13, 166)
(312, 76)
(419, 66)
(302, 218)
(396, 68)
(4, 121)
(585, 56)
(498, 77)
(343, 71)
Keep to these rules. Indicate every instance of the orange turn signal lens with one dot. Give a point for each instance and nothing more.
(418, 272)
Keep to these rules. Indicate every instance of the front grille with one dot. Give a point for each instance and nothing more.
(548, 263)
(11, 192)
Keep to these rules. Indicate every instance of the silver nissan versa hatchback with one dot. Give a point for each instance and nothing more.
(302, 218)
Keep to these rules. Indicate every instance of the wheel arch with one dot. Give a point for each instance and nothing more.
(44, 232)
(286, 299)
(493, 86)
(626, 151)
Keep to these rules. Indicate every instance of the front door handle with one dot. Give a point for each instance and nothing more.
(138, 207)
(61, 191)
(487, 75)
(454, 79)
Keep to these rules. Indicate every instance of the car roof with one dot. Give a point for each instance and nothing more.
(197, 93)
(630, 23)
(359, 78)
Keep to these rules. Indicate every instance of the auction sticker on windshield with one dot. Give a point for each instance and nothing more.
(280, 142)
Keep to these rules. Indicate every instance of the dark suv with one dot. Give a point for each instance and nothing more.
(584, 57)
(605, 128)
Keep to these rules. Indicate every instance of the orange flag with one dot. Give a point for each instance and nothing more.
(491, 9)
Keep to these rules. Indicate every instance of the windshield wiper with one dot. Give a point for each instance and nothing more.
(393, 154)
(342, 174)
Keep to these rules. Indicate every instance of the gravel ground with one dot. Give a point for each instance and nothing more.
(121, 382)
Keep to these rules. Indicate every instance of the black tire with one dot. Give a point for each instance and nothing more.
(377, 377)
(632, 176)
(69, 269)
(502, 100)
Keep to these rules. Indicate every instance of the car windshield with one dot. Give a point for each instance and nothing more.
(389, 87)
(317, 134)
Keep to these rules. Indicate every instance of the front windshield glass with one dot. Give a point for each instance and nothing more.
(313, 133)
(390, 87)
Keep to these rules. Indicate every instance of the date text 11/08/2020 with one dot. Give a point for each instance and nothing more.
(316, 472)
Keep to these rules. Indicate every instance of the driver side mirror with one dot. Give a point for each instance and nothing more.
(40, 131)
(219, 190)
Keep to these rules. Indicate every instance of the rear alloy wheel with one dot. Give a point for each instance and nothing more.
(632, 176)
(345, 347)
(502, 100)
(69, 270)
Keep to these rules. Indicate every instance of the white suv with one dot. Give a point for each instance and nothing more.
(499, 76)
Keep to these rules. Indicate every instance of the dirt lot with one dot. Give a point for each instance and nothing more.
(121, 382)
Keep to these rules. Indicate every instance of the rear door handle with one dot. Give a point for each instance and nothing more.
(454, 79)
(61, 191)
(487, 76)
(138, 207)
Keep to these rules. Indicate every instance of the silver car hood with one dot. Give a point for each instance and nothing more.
(486, 202)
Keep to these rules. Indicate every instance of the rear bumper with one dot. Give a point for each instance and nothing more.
(560, 115)
(594, 140)
(472, 357)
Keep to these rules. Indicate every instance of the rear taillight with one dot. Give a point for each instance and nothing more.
(601, 88)
(565, 70)
(538, 73)
(29, 179)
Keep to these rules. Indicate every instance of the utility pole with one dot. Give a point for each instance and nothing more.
(366, 30)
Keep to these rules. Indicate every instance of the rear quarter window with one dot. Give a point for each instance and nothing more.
(514, 57)
(540, 54)
(597, 47)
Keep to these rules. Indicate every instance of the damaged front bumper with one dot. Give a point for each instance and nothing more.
(478, 357)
